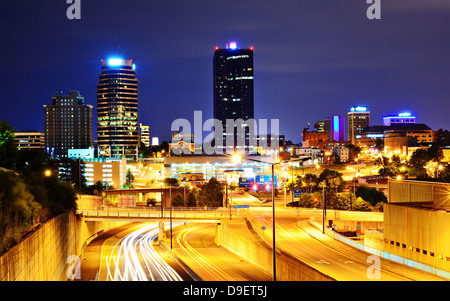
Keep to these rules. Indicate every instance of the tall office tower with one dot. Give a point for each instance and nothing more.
(334, 126)
(68, 124)
(358, 120)
(117, 110)
(233, 86)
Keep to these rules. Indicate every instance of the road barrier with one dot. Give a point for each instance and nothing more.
(383, 254)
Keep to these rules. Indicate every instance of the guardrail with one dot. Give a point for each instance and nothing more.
(383, 254)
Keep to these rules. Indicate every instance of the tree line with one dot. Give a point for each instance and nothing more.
(30, 190)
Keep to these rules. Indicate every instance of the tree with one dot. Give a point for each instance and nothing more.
(129, 179)
(8, 147)
(31, 160)
(98, 188)
(309, 182)
(178, 200)
(361, 205)
(171, 182)
(342, 202)
(371, 195)
(18, 209)
(422, 157)
(211, 194)
(310, 200)
(334, 180)
(354, 151)
(191, 198)
(391, 167)
(61, 196)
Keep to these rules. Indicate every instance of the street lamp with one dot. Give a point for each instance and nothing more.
(47, 173)
(237, 158)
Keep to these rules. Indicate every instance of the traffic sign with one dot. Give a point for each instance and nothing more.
(297, 193)
(241, 206)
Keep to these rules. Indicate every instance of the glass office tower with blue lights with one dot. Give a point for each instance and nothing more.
(117, 109)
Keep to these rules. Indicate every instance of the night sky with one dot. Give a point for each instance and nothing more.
(312, 58)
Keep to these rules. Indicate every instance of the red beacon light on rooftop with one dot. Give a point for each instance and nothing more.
(217, 47)
(251, 48)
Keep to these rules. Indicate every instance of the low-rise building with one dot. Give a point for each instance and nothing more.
(111, 171)
(30, 140)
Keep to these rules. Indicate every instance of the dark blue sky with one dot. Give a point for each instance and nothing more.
(312, 59)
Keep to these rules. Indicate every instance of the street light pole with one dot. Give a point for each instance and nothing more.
(170, 203)
(273, 226)
(324, 207)
(292, 177)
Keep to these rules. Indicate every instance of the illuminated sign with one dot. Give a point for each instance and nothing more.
(246, 182)
(359, 109)
(266, 180)
(115, 62)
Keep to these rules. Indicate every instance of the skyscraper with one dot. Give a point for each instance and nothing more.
(117, 109)
(68, 124)
(358, 120)
(233, 84)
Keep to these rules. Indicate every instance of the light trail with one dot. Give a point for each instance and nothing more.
(134, 258)
(203, 264)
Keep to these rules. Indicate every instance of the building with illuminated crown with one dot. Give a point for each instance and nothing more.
(117, 109)
(233, 87)
(358, 120)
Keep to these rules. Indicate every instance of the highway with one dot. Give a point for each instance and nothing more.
(132, 256)
(296, 236)
(195, 245)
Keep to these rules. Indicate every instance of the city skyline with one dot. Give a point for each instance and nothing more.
(304, 54)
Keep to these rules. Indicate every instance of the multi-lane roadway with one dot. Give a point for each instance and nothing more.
(134, 254)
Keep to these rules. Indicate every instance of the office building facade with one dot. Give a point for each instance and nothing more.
(233, 89)
(144, 134)
(30, 140)
(335, 128)
(400, 118)
(358, 120)
(117, 110)
(68, 124)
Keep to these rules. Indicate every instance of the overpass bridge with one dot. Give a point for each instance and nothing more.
(165, 214)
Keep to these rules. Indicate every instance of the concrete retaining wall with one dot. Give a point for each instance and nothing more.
(240, 238)
(43, 254)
